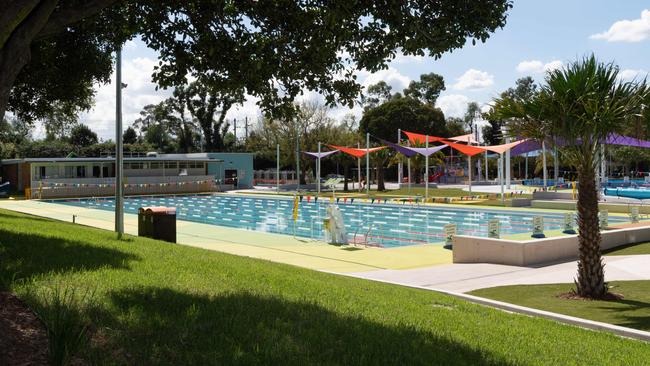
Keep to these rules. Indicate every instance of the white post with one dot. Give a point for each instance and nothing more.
(501, 177)
(297, 158)
(544, 163)
(318, 171)
(556, 165)
(277, 168)
(526, 172)
(119, 153)
(469, 168)
(359, 169)
(508, 167)
(368, 163)
(426, 171)
(400, 172)
(409, 173)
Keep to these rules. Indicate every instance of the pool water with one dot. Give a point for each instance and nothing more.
(385, 225)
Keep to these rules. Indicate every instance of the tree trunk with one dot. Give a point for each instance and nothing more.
(591, 275)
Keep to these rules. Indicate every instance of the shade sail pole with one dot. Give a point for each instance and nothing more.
(277, 168)
(400, 172)
(508, 165)
(501, 177)
(545, 172)
(486, 167)
(556, 165)
(119, 157)
(409, 173)
(368, 163)
(359, 168)
(426, 171)
(318, 170)
(469, 166)
(298, 158)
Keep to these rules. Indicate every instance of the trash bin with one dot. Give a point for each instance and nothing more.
(157, 223)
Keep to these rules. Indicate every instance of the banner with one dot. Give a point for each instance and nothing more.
(295, 208)
(568, 223)
(450, 232)
(493, 228)
(538, 227)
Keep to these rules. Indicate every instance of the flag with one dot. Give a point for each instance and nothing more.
(295, 208)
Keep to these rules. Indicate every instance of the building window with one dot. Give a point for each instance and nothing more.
(183, 165)
(171, 165)
(81, 171)
(41, 172)
(155, 165)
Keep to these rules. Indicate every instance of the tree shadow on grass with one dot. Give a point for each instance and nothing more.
(165, 326)
(25, 255)
(641, 322)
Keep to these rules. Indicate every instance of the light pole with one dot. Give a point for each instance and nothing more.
(119, 187)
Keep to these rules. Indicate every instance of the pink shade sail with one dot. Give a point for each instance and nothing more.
(469, 138)
(500, 149)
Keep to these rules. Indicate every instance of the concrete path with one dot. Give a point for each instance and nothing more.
(469, 277)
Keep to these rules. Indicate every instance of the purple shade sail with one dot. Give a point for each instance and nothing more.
(612, 139)
(411, 151)
(322, 154)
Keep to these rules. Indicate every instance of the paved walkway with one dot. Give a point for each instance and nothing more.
(469, 277)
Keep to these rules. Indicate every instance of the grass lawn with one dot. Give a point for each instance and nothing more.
(159, 303)
(632, 249)
(632, 311)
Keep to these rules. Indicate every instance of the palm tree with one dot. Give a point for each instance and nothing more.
(581, 104)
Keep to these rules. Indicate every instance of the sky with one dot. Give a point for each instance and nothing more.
(538, 36)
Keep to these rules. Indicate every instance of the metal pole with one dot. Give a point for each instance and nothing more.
(235, 129)
(298, 158)
(556, 165)
(501, 177)
(508, 166)
(469, 168)
(318, 171)
(400, 172)
(545, 173)
(526, 172)
(409, 173)
(277, 168)
(486, 167)
(119, 187)
(359, 168)
(426, 171)
(368, 163)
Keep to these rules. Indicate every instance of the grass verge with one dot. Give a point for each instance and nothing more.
(632, 311)
(632, 249)
(158, 303)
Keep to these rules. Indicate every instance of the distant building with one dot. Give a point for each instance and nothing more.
(154, 174)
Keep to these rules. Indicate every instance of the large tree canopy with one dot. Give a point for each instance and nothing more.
(270, 49)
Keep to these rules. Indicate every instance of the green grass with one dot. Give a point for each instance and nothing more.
(632, 249)
(632, 311)
(159, 303)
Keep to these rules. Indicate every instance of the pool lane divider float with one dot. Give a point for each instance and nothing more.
(410, 200)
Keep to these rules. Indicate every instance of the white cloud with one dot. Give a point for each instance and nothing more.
(453, 105)
(401, 58)
(474, 79)
(635, 30)
(391, 76)
(538, 67)
(631, 74)
(140, 91)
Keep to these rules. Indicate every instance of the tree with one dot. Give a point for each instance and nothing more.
(130, 136)
(525, 89)
(204, 102)
(581, 104)
(376, 94)
(455, 126)
(159, 138)
(53, 51)
(471, 115)
(427, 89)
(406, 113)
(492, 134)
(271, 50)
(82, 136)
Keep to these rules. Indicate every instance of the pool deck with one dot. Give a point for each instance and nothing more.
(302, 252)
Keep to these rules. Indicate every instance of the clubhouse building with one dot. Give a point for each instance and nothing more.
(150, 174)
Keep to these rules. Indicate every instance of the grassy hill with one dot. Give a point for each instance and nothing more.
(150, 302)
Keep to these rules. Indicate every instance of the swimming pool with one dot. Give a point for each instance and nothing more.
(385, 225)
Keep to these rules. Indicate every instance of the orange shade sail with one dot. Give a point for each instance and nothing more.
(418, 138)
(466, 149)
(357, 153)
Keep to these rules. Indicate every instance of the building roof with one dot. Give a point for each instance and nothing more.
(107, 160)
